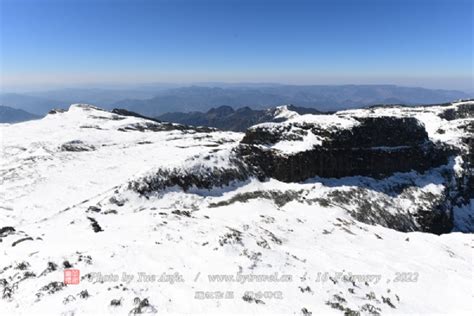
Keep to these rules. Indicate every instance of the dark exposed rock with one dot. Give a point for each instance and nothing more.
(51, 288)
(124, 112)
(117, 201)
(21, 240)
(181, 213)
(150, 126)
(95, 226)
(434, 221)
(110, 212)
(51, 266)
(67, 265)
(371, 213)
(378, 147)
(55, 111)
(280, 198)
(142, 307)
(380, 132)
(22, 265)
(116, 302)
(465, 110)
(432, 215)
(163, 127)
(76, 145)
(372, 132)
(232, 237)
(207, 178)
(466, 181)
(5, 231)
(93, 209)
(343, 162)
(84, 294)
(387, 301)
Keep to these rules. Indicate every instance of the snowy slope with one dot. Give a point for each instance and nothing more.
(69, 199)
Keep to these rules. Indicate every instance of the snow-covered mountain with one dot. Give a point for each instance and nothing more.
(360, 212)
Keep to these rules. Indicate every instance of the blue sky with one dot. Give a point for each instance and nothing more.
(70, 42)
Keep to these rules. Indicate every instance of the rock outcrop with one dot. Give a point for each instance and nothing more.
(465, 110)
(376, 147)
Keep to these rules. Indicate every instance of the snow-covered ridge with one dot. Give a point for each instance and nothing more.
(110, 194)
(434, 118)
(282, 112)
(376, 142)
(97, 148)
(298, 139)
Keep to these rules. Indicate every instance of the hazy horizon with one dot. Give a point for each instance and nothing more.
(50, 44)
(162, 86)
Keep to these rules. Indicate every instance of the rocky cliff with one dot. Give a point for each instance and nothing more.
(374, 146)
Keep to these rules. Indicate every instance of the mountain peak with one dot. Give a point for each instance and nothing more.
(283, 112)
(221, 110)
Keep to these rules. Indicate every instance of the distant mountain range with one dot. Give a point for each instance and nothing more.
(11, 115)
(325, 98)
(41, 102)
(31, 104)
(226, 118)
(157, 100)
